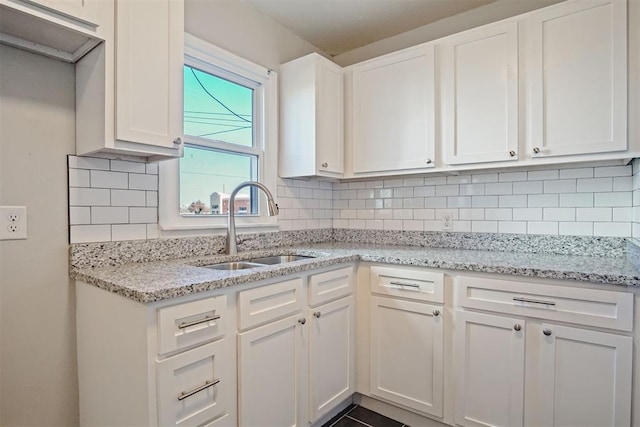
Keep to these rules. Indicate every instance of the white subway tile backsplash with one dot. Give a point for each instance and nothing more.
(413, 225)
(594, 214)
(143, 182)
(369, 204)
(356, 204)
(472, 214)
(125, 166)
(414, 203)
(143, 215)
(93, 163)
(441, 213)
(104, 179)
(615, 229)
(435, 202)
(594, 185)
(483, 178)
(399, 193)
(392, 203)
(613, 199)
(89, 233)
(352, 185)
(79, 178)
(460, 226)
(448, 190)
(368, 184)
(576, 229)
(460, 179)
(128, 198)
(383, 193)
(542, 227)
(361, 194)
(613, 171)
(514, 227)
(393, 224)
(543, 175)
(512, 176)
(109, 215)
(559, 214)
(459, 202)
(484, 201)
(427, 191)
(384, 214)
(424, 214)
(560, 186)
(128, 232)
(393, 183)
(528, 187)
(89, 197)
(623, 214)
(623, 183)
(402, 214)
(527, 214)
(576, 200)
(515, 201)
(151, 169)
(484, 226)
(471, 189)
(365, 214)
(543, 200)
(413, 182)
(374, 224)
(498, 188)
(79, 215)
(576, 173)
(435, 180)
(499, 214)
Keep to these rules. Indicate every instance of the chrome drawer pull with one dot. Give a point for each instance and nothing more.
(411, 285)
(197, 322)
(533, 301)
(204, 386)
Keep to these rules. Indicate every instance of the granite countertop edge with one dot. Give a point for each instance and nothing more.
(161, 280)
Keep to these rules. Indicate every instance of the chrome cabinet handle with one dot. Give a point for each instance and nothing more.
(325, 165)
(177, 141)
(536, 150)
(204, 386)
(302, 321)
(197, 322)
(517, 327)
(533, 301)
(546, 331)
(512, 153)
(436, 313)
(317, 314)
(411, 285)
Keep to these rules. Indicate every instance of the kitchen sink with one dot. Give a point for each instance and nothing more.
(280, 259)
(256, 262)
(238, 265)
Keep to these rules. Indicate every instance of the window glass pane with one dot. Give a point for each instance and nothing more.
(217, 109)
(207, 177)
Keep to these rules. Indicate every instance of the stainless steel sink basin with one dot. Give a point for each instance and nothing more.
(280, 259)
(239, 265)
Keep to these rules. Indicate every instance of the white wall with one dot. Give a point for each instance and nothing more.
(38, 380)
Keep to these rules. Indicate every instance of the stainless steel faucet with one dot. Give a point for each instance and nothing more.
(232, 244)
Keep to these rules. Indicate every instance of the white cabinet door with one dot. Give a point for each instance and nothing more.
(311, 117)
(271, 374)
(585, 378)
(331, 355)
(407, 354)
(330, 118)
(393, 102)
(577, 74)
(149, 63)
(480, 94)
(489, 370)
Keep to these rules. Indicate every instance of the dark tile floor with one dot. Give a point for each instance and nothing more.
(357, 416)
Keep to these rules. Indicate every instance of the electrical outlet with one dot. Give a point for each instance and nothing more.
(13, 222)
(446, 219)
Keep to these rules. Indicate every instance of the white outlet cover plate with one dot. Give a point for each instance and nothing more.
(13, 218)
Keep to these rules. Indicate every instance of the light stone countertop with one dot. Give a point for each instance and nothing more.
(160, 280)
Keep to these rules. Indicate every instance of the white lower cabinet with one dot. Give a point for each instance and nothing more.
(292, 371)
(407, 354)
(523, 370)
(272, 366)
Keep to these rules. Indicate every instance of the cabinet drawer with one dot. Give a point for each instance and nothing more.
(324, 287)
(261, 305)
(592, 307)
(185, 325)
(191, 387)
(408, 283)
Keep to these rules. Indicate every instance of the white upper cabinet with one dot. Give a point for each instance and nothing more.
(577, 78)
(392, 103)
(479, 78)
(311, 118)
(62, 29)
(129, 93)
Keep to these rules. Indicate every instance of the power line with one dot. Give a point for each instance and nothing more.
(216, 99)
(224, 131)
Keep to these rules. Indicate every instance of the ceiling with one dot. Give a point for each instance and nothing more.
(338, 26)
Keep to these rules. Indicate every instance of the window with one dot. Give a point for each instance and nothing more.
(229, 137)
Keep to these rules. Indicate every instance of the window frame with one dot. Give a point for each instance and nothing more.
(212, 59)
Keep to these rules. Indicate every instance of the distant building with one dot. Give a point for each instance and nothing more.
(220, 203)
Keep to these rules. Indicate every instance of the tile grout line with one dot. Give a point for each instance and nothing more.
(358, 421)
